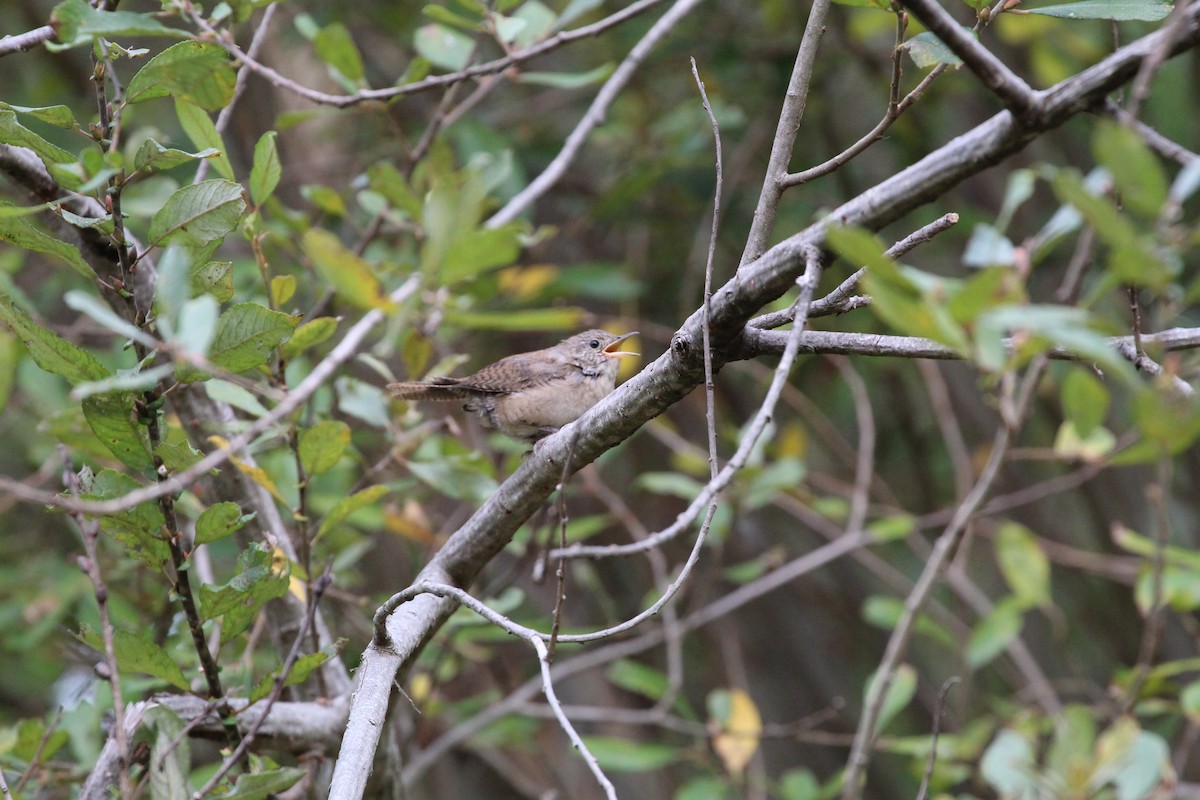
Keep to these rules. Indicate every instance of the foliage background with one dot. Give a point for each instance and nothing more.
(1050, 579)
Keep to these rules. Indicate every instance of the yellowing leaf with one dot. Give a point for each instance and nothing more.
(526, 282)
(255, 473)
(349, 275)
(741, 730)
(409, 522)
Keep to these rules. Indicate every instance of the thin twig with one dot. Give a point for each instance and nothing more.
(922, 793)
(593, 116)
(794, 103)
(434, 81)
(709, 400)
(19, 42)
(239, 88)
(548, 687)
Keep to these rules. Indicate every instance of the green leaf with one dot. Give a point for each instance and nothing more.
(282, 289)
(262, 785)
(200, 129)
(567, 80)
(1169, 421)
(50, 351)
(799, 784)
(391, 183)
(219, 521)
(1023, 564)
(1134, 258)
(479, 250)
(213, 277)
(140, 528)
(928, 51)
(1189, 701)
(638, 678)
(308, 335)
(537, 21)
(33, 740)
(10, 356)
(198, 214)
(1042, 327)
(989, 248)
(347, 506)
(899, 694)
(257, 582)
(13, 132)
(77, 22)
(1010, 767)
(265, 174)
(1119, 10)
(625, 755)
(247, 334)
(1094, 447)
(194, 72)
(21, 233)
(1085, 400)
(1136, 171)
(443, 47)
(137, 654)
(304, 666)
(536, 319)
(152, 156)
(336, 48)
(58, 116)
(994, 633)
(350, 276)
(112, 418)
(322, 445)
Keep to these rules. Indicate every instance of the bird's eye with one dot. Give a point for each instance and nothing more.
(594, 343)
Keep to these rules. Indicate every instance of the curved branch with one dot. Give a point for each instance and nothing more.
(678, 371)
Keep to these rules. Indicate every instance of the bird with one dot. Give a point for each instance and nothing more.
(529, 396)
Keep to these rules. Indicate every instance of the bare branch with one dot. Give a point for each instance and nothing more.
(991, 71)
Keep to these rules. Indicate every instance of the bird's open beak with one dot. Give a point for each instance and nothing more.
(612, 351)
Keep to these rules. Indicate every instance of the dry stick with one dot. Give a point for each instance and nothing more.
(594, 115)
(714, 465)
(239, 88)
(314, 598)
(790, 116)
(435, 81)
(345, 350)
(4, 791)
(560, 572)
(946, 545)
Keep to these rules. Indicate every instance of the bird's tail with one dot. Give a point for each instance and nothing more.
(434, 389)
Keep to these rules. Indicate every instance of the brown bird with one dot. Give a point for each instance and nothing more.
(531, 395)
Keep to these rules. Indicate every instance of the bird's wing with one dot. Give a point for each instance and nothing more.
(516, 373)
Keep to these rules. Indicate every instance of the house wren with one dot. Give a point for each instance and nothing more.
(531, 395)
